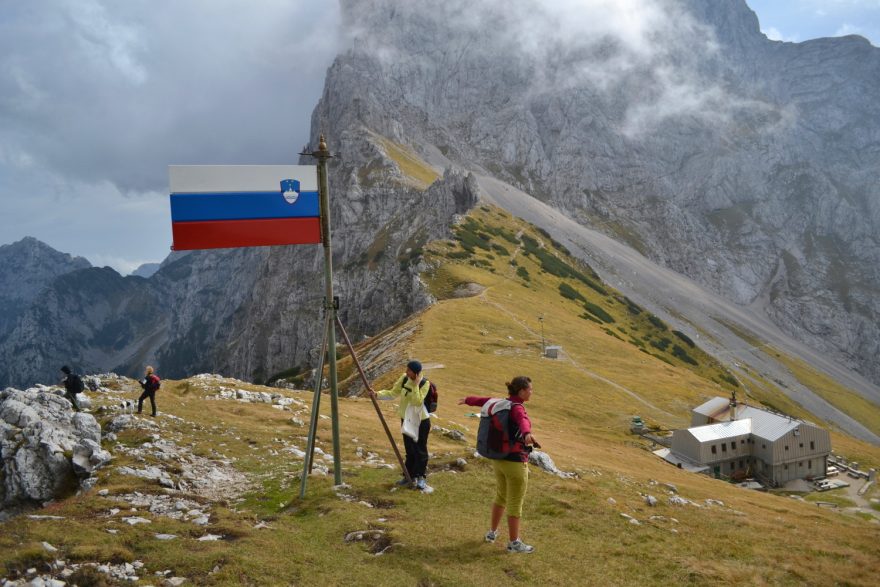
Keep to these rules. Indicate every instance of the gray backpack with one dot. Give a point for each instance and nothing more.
(494, 440)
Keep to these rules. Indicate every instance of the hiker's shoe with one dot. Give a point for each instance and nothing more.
(404, 482)
(491, 535)
(421, 483)
(519, 546)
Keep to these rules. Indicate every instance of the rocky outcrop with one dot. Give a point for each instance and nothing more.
(46, 449)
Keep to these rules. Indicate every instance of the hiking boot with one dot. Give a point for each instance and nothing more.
(491, 535)
(403, 482)
(519, 546)
(421, 483)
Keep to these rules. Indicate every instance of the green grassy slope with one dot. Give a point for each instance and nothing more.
(616, 361)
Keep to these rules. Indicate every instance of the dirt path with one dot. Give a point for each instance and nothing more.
(578, 366)
(863, 505)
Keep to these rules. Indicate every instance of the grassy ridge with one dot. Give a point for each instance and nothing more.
(413, 170)
(838, 395)
(581, 410)
(841, 397)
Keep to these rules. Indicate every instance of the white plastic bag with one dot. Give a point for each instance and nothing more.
(411, 421)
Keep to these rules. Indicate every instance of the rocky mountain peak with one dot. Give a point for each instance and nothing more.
(26, 268)
(146, 270)
(743, 163)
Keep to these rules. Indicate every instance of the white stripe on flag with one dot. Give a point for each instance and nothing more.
(239, 178)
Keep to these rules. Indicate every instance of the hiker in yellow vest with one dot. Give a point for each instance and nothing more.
(411, 388)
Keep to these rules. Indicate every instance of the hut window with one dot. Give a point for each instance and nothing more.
(714, 449)
(812, 445)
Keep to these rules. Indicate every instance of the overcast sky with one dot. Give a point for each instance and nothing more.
(800, 20)
(98, 97)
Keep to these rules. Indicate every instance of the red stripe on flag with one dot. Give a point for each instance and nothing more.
(223, 234)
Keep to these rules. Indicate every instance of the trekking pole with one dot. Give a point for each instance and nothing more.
(373, 399)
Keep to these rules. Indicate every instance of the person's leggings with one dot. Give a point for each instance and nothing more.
(511, 483)
(71, 397)
(145, 395)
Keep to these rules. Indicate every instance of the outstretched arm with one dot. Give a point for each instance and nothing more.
(390, 393)
(473, 400)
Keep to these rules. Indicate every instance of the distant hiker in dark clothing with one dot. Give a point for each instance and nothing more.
(72, 385)
(150, 385)
(415, 419)
(511, 470)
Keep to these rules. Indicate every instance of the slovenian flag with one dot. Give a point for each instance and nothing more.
(225, 206)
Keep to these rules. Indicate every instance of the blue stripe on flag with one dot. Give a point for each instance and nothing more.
(241, 206)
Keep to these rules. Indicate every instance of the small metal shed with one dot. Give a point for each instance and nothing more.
(552, 352)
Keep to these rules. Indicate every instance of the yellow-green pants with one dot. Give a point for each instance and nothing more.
(512, 480)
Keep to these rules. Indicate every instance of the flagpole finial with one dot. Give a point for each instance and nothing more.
(322, 152)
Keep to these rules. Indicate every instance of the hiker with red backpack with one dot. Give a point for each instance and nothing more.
(418, 398)
(150, 385)
(505, 436)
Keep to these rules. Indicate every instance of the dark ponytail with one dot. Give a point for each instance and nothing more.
(518, 383)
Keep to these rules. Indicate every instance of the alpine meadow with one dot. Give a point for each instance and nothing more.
(647, 208)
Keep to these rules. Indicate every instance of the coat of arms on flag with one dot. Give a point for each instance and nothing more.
(290, 190)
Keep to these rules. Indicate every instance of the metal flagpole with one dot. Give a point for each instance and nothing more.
(313, 422)
(330, 303)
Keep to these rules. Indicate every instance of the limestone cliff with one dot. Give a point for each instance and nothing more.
(747, 164)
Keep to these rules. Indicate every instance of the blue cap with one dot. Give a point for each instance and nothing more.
(414, 366)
